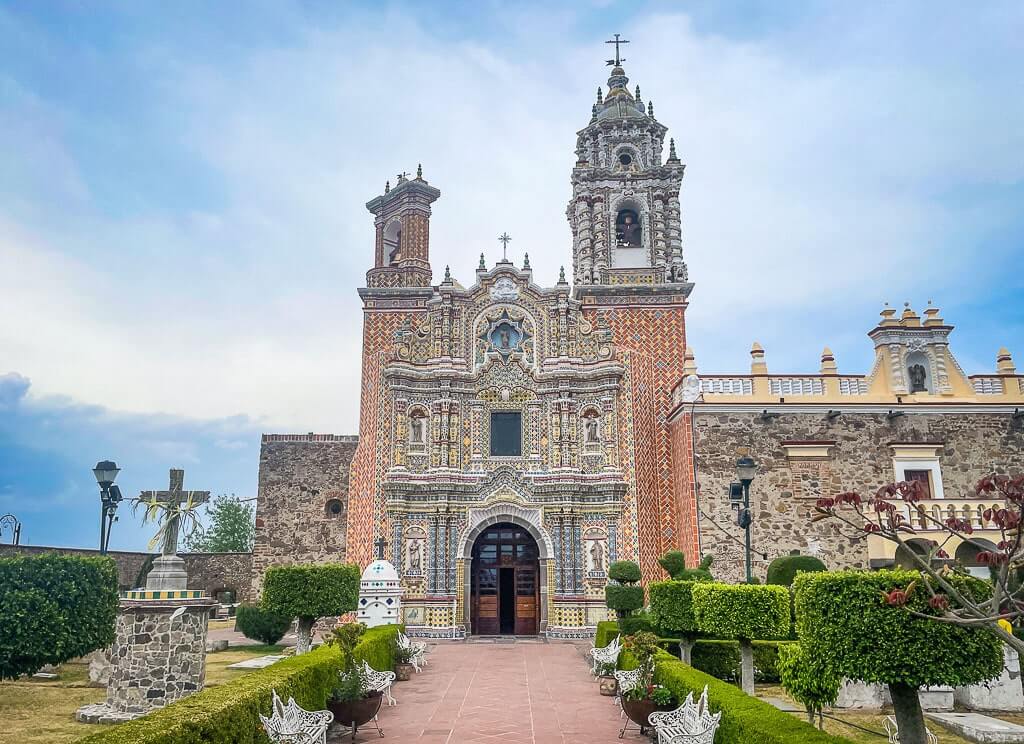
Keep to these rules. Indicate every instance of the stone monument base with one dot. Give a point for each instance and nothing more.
(158, 656)
(168, 573)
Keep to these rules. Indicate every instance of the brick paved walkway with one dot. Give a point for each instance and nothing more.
(526, 692)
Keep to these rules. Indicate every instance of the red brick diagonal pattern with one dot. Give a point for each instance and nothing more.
(526, 693)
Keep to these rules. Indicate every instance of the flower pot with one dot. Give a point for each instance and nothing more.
(403, 672)
(355, 713)
(609, 685)
(639, 711)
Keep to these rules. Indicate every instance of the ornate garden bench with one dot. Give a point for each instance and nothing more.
(607, 655)
(379, 681)
(418, 648)
(290, 724)
(893, 730)
(690, 723)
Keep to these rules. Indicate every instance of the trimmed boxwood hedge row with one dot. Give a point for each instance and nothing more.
(745, 719)
(228, 714)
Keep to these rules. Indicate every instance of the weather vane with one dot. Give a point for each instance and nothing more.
(616, 41)
(504, 238)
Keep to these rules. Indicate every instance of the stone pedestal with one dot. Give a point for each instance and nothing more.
(862, 695)
(158, 656)
(936, 698)
(167, 574)
(1003, 694)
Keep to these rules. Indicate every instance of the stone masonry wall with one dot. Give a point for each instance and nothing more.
(784, 491)
(211, 572)
(299, 476)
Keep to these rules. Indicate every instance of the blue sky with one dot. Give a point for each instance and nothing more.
(181, 199)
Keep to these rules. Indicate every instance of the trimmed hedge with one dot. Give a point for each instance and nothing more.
(745, 719)
(846, 624)
(313, 590)
(742, 611)
(606, 631)
(624, 599)
(672, 606)
(784, 569)
(54, 608)
(228, 714)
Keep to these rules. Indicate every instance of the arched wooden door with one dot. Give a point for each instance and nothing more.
(504, 582)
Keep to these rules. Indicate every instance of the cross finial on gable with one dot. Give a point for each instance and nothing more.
(380, 544)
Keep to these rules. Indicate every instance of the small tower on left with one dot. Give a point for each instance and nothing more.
(402, 219)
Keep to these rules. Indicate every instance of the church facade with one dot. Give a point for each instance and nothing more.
(515, 438)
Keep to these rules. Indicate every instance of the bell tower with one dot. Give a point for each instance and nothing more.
(624, 212)
(402, 220)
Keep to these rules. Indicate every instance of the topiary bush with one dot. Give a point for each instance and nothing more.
(54, 608)
(309, 592)
(672, 611)
(624, 597)
(261, 624)
(638, 623)
(807, 681)
(674, 563)
(784, 569)
(859, 625)
(744, 612)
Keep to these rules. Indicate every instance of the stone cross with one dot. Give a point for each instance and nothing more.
(173, 497)
(504, 238)
(617, 41)
(380, 543)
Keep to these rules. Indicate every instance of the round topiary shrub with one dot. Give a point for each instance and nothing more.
(309, 592)
(625, 572)
(624, 597)
(784, 569)
(261, 624)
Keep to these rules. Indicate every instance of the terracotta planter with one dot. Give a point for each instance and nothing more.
(639, 711)
(403, 672)
(609, 686)
(356, 712)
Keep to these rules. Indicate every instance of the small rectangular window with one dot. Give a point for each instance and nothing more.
(506, 434)
(924, 477)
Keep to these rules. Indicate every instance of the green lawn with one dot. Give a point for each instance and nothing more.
(42, 712)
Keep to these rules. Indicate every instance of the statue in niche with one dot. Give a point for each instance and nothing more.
(917, 378)
(596, 556)
(504, 339)
(590, 430)
(417, 430)
(415, 556)
(627, 229)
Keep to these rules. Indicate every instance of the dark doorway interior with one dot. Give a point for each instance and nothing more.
(507, 584)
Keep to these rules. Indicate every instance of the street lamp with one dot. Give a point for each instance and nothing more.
(746, 469)
(110, 496)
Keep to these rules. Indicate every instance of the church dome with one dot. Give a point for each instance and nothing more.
(380, 570)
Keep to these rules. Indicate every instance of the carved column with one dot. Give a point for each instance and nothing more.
(658, 233)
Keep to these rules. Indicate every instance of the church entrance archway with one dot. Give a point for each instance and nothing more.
(505, 581)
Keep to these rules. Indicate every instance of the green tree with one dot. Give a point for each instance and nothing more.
(808, 682)
(881, 627)
(54, 608)
(232, 528)
(672, 612)
(309, 592)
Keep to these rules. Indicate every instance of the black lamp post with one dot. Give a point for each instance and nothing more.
(11, 523)
(746, 469)
(110, 496)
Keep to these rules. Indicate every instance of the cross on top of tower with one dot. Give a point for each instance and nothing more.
(617, 41)
(504, 238)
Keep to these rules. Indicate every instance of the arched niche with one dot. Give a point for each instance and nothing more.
(393, 242)
(919, 373)
(630, 248)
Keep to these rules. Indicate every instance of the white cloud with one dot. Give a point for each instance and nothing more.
(816, 187)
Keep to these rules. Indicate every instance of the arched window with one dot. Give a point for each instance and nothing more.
(333, 508)
(417, 429)
(393, 242)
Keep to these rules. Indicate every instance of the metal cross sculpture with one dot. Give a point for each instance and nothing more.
(616, 41)
(171, 509)
(504, 238)
(380, 543)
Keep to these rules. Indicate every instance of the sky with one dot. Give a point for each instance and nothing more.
(182, 191)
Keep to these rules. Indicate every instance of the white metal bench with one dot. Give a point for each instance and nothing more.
(418, 649)
(690, 723)
(290, 724)
(607, 655)
(379, 681)
(893, 730)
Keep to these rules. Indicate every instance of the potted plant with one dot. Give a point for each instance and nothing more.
(645, 697)
(403, 663)
(351, 702)
(606, 676)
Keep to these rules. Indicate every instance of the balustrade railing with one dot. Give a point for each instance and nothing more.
(796, 385)
(939, 510)
(988, 385)
(727, 385)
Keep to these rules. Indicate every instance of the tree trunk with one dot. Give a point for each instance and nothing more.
(909, 718)
(747, 666)
(686, 650)
(304, 634)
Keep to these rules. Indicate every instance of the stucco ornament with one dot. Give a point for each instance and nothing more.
(691, 388)
(505, 289)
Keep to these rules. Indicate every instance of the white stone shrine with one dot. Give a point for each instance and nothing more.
(380, 594)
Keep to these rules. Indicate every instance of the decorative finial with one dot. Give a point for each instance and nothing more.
(447, 275)
(419, 170)
(483, 264)
(672, 157)
(650, 108)
(504, 239)
(638, 92)
(387, 186)
(617, 41)
(526, 260)
(402, 177)
(561, 275)
(600, 94)
(593, 112)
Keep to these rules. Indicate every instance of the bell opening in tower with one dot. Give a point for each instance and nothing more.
(629, 250)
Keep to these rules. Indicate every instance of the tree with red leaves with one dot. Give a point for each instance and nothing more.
(950, 602)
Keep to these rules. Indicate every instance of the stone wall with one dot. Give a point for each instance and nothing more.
(300, 477)
(860, 459)
(211, 572)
